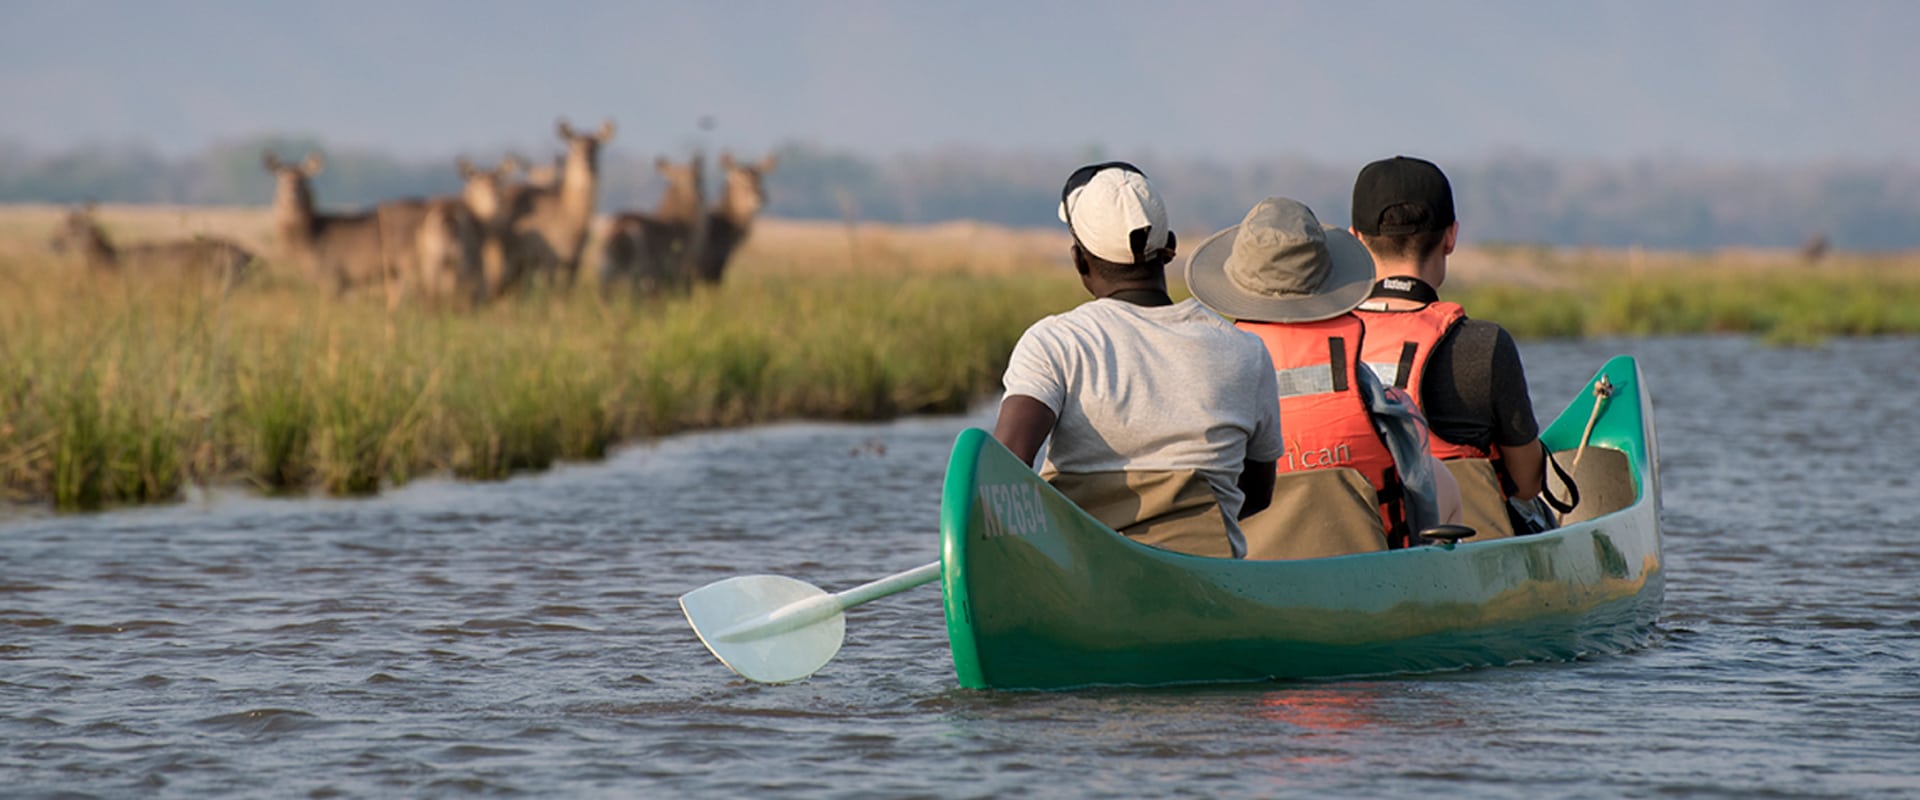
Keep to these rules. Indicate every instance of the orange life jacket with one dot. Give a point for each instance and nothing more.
(1399, 342)
(1323, 417)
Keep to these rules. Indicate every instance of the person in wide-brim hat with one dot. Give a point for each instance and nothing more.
(1294, 284)
(1281, 265)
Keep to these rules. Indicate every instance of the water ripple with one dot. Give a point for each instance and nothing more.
(523, 637)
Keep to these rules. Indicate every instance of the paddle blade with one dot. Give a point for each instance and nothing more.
(757, 645)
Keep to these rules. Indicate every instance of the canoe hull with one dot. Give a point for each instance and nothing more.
(1041, 596)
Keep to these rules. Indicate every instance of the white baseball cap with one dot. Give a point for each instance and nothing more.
(1114, 213)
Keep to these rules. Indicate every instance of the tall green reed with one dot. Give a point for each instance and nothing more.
(287, 390)
(112, 392)
(1784, 305)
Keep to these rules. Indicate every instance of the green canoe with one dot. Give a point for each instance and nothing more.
(1041, 596)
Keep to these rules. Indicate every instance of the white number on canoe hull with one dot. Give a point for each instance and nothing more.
(1012, 509)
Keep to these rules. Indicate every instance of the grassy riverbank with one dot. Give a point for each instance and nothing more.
(124, 390)
(120, 392)
(1769, 295)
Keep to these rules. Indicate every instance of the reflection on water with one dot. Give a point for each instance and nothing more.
(1320, 710)
(522, 637)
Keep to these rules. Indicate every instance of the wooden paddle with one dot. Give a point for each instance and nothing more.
(774, 629)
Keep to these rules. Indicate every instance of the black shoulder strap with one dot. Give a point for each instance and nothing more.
(1573, 490)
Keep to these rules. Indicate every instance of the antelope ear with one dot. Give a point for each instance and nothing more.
(661, 164)
(510, 164)
(566, 131)
(606, 130)
(726, 160)
(314, 164)
(269, 160)
(766, 164)
(465, 167)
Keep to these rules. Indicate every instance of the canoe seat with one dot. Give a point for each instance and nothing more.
(1172, 509)
(1483, 506)
(1316, 513)
(1605, 478)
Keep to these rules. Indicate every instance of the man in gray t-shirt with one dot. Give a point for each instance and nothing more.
(1133, 384)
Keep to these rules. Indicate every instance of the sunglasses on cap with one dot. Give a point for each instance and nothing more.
(1084, 175)
(1080, 178)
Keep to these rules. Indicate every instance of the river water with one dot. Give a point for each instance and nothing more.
(452, 639)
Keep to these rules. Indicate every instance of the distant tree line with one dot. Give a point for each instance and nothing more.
(1659, 203)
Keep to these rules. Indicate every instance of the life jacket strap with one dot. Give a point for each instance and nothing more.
(1337, 352)
(1404, 370)
(1317, 379)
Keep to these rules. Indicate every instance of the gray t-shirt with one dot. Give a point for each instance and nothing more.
(1152, 388)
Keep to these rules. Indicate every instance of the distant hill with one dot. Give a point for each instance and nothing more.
(1516, 198)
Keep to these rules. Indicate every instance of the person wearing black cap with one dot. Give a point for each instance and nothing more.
(1465, 373)
(1162, 418)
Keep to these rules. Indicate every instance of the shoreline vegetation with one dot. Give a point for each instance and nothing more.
(124, 389)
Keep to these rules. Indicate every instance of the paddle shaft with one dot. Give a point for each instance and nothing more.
(807, 612)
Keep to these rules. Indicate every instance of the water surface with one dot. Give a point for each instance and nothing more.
(453, 639)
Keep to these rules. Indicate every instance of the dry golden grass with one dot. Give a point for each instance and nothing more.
(776, 247)
(809, 247)
(26, 228)
(969, 248)
(1537, 266)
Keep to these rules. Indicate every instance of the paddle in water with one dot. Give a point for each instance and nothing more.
(774, 629)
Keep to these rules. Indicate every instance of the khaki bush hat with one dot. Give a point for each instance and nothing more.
(1281, 265)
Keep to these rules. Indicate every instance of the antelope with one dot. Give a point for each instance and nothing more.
(431, 244)
(338, 251)
(552, 235)
(496, 202)
(741, 197)
(658, 252)
(204, 256)
(1814, 248)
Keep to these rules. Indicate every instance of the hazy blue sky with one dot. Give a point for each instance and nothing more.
(1332, 81)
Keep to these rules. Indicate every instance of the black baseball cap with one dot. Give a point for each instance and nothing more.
(1401, 180)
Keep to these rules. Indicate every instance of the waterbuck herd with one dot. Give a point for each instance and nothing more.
(509, 227)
